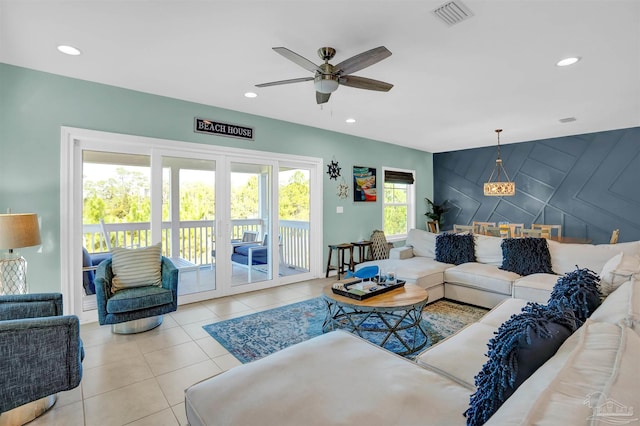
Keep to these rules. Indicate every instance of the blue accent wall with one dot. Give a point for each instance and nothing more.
(590, 184)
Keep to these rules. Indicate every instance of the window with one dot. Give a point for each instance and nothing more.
(398, 205)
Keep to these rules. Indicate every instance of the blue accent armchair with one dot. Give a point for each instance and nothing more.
(40, 349)
(136, 303)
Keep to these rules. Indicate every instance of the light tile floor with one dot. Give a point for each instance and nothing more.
(140, 379)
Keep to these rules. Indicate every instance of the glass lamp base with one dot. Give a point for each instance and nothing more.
(13, 275)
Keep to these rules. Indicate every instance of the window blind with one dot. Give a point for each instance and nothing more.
(392, 176)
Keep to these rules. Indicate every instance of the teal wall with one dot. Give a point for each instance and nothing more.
(34, 105)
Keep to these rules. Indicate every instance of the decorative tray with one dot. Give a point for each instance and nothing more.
(360, 290)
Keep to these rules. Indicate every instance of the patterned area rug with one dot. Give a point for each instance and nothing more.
(257, 335)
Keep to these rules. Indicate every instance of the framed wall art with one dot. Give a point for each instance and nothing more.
(364, 184)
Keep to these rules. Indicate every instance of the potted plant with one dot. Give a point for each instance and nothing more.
(434, 213)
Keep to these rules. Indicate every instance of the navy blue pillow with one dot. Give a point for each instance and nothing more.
(526, 256)
(521, 345)
(87, 276)
(579, 291)
(455, 248)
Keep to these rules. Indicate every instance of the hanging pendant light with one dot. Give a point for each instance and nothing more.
(498, 188)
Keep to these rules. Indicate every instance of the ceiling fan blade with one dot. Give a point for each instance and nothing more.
(293, 80)
(322, 98)
(294, 57)
(364, 83)
(363, 60)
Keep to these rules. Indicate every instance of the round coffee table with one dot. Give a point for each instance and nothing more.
(395, 316)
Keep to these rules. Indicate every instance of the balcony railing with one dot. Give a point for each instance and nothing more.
(195, 241)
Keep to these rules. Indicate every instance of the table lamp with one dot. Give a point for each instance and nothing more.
(16, 231)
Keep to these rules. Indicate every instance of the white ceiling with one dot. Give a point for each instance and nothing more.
(452, 85)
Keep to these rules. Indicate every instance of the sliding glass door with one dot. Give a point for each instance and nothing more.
(116, 209)
(188, 221)
(230, 221)
(294, 214)
(251, 213)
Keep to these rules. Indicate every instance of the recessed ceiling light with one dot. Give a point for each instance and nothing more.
(250, 95)
(350, 120)
(69, 50)
(568, 61)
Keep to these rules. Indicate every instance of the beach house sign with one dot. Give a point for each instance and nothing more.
(202, 125)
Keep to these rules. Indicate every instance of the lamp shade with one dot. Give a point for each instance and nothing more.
(19, 230)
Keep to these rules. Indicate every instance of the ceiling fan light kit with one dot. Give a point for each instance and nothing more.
(328, 77)
(325, 83)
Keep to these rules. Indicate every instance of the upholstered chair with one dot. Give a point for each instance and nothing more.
(40, 355)
(134, 299)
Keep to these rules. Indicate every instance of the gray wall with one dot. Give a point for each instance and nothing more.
(590, 184)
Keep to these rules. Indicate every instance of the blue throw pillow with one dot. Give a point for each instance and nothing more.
(455, 248)
(526, 256)
(579, 291)
(521, 345)
(87, 276)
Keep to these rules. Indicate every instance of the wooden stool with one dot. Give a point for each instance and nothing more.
(340, 267)
(361, 247)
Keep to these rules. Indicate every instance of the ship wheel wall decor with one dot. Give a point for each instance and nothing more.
(333, 170)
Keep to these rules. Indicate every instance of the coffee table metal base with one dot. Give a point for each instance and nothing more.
(403, 324)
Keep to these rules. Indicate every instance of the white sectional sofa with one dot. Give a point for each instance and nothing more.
(482, 283)
(341, 379)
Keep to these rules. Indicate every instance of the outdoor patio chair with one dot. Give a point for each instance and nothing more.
(247, 237)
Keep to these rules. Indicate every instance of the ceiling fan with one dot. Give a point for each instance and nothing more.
(328, 77)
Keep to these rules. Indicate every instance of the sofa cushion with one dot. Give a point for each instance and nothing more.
(460, 355)
(87, 276)
(333, 379)
(596, 384)
(619, 269)
(502, 312)
(136, 267)
(526, 256)
(488, 249)
(621, 306)
(579, 291)
(481, 276)
(565, 257)
(423, 271)
(258, 257)
(423, 243)
(521, 345)
(535, 287)
(137, 298)
(455, 248)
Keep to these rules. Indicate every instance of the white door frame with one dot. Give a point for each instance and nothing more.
(74, 140)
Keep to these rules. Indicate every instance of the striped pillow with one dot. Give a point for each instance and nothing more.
(136, 268)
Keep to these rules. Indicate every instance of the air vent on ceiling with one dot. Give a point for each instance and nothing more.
(453, 12)
(567, 120)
